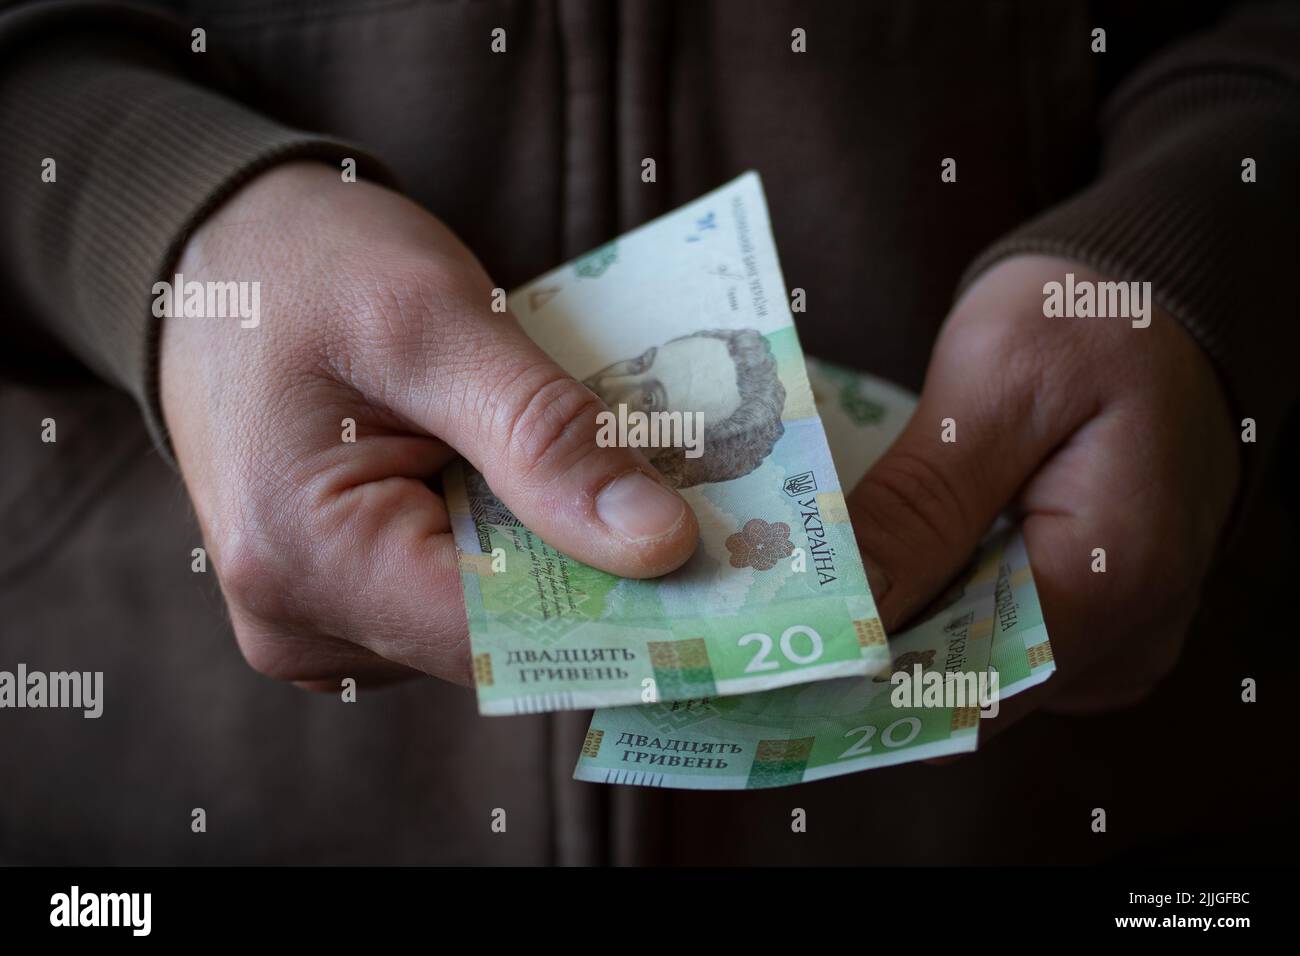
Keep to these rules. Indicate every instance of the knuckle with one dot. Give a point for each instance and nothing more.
(1038, 379)
(249, 569)
(397, 310)
(549, 424)
(1038, 385)
(404, 316)
(286, 655)
(266, 655)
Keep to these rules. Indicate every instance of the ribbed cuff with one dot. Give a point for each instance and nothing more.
(143, 155)
(1171, 208)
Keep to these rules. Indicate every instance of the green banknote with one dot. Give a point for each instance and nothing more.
(1022, 654)
(690, 309)
(790, 735)
(814, 731)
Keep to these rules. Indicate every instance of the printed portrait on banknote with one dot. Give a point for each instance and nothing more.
(727, 375)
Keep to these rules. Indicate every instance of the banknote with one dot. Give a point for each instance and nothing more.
(1021, 654)
(862, 415)
(691, 309)
(791, 735)
(813, 731)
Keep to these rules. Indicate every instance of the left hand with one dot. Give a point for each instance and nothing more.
(1099, 435)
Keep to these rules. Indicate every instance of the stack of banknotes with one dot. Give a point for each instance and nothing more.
(762, 661)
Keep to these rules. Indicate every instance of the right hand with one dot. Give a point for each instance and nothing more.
(336, 559)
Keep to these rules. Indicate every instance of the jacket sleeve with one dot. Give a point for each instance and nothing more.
(146, 139)
(1170, 205)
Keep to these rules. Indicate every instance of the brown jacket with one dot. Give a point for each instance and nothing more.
(1128, 160)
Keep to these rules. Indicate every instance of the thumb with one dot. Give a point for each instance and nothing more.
(530, 429)
(923, 507)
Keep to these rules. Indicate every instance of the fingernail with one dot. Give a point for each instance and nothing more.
(639, 508)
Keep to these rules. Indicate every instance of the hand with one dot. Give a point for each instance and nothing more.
(1100, 435)
(335, 558)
